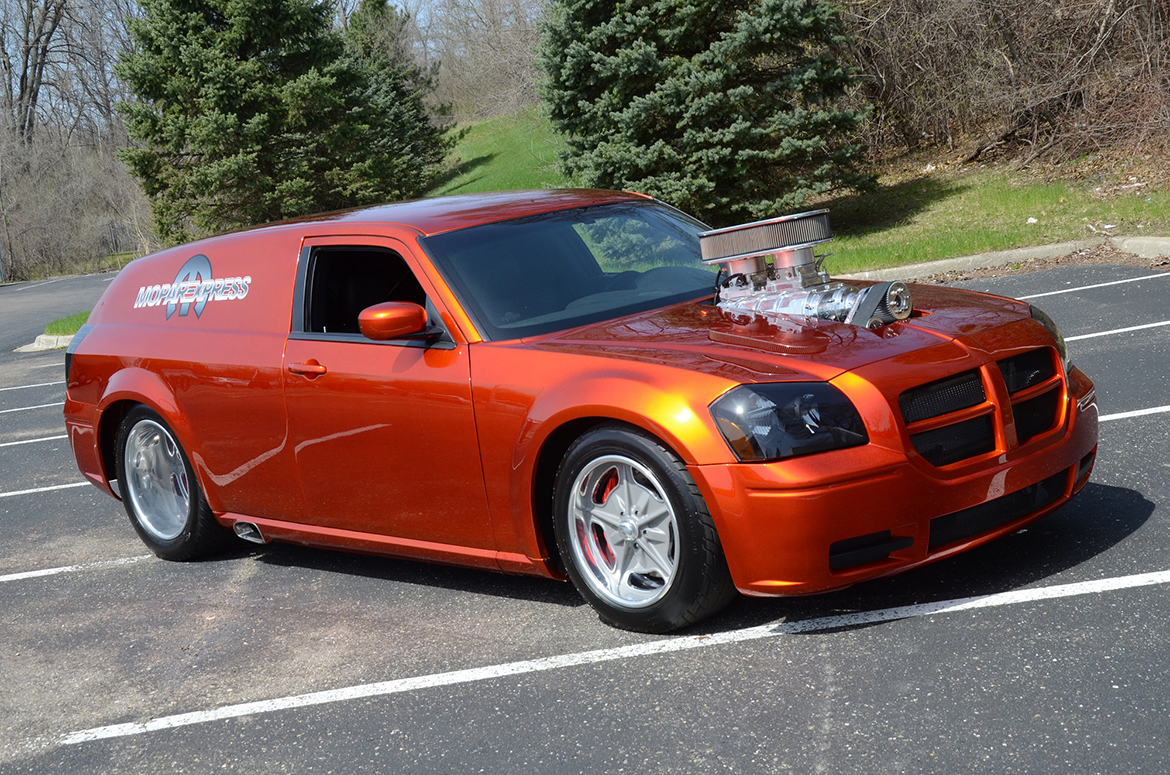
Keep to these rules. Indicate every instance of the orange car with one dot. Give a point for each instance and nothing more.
(572, 383)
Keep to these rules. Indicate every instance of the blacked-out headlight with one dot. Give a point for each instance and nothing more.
(1040, 317)
(785, 419)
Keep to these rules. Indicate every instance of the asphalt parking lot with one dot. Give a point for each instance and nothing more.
(1047, 651)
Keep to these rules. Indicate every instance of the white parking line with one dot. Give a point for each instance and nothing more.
(37, 285)
(32, 574)
(26, 408)
(39, 384)
(33, 441)
(1098, 285)
(42, 489)
(1136, 413)
(1117, 331)
(665, 646)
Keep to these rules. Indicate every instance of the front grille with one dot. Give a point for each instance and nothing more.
(952, 443)
(987, 516)
(1036, 415)
(966, 437)
(948, 395)
(1023, 371)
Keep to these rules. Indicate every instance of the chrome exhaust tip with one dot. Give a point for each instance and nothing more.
(249, 532)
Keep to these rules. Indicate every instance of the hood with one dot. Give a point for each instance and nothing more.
(751, 348)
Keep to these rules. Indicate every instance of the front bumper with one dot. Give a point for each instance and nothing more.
(827, 521)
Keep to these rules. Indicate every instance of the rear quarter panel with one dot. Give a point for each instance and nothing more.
(209, 361)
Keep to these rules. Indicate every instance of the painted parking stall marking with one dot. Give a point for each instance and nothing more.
(43, 489)
(33, 441)
(1095, 285)
(39, 384)
(671, 645)
(1135, 413)
(1117, 331)
(101, 564)
(27, 408)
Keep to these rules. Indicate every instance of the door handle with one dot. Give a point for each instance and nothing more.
(309, 368)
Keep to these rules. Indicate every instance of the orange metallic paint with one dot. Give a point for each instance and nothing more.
(385, 441)
(432, 453)
(392, 320)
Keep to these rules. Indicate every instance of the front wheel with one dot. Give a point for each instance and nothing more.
(159, 490)
(634, 533)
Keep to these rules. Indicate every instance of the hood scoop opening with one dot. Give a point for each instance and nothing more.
(769, 269)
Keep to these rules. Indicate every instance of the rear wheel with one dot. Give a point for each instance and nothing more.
(635, 535)
(160, 492)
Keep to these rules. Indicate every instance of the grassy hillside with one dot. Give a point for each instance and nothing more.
(504, 154)
(918, 213)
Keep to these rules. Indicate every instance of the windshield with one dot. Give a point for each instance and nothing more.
(553, 271)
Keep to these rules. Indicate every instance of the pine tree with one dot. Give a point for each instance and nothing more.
(248, 111)
(725, 108)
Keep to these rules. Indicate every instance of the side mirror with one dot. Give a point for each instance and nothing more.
(392, 320)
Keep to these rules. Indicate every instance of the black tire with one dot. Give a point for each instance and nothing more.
(160, 492)
(655, 566)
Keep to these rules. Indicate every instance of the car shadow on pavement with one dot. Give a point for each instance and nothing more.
(404, 571)
(1098, 519)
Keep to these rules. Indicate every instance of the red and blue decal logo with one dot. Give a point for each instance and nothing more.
(194, 287)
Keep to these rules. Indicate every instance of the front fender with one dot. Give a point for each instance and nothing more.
(524, 398)
(679, 419)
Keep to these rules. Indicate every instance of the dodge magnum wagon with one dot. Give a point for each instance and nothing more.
(587, 385)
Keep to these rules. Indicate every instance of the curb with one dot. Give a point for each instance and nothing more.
(1144, 247)
(46, 342)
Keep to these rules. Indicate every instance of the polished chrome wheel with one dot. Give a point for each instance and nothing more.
(623, 532)
(156, 484)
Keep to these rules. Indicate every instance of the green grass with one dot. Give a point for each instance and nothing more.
(504, 154)
(951, 214)
(68, 325)
(942, 214)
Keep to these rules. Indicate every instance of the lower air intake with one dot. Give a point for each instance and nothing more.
(985, 517)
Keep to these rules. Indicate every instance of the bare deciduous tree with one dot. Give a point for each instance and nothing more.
(65, 201)
(1041, 75)
(28, 40)
(65, 206)
(485, 50)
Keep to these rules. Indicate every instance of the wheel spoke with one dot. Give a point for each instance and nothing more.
(643, 501)
(179, 483)
(651, 551)
(606, 513)
(655, 512)
(625, 555)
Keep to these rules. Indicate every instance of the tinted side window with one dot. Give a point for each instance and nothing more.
(344, 281)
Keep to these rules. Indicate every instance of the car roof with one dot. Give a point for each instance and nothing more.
(449, 213)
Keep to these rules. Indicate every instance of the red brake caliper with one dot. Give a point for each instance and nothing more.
(605, 486)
